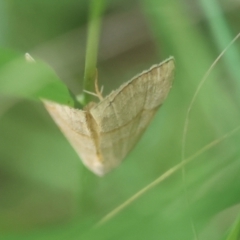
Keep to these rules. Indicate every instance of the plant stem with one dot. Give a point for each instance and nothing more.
(96, 9)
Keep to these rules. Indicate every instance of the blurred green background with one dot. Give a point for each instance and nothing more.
(46, 192)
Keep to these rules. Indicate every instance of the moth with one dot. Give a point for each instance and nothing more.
(103, 133)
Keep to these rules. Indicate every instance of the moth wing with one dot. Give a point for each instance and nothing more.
(74, 125)
(122, 117)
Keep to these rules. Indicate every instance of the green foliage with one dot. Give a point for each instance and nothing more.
(45, 191)
(33, 80)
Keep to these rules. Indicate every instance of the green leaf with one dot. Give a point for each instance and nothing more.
(32, 80)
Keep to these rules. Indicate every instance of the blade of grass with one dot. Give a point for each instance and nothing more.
(222, 35)
(186, 123)
(165, 176)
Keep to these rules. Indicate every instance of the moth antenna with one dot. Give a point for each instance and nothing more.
(91, 93)
(98, 93)
(29, 58)
(101, 90)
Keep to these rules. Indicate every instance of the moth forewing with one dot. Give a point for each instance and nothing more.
(105, 132)
(74, 124)
(123, 115)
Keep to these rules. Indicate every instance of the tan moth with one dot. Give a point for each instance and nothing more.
(103, 133)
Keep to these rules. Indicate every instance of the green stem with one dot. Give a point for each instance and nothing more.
(96, 9)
